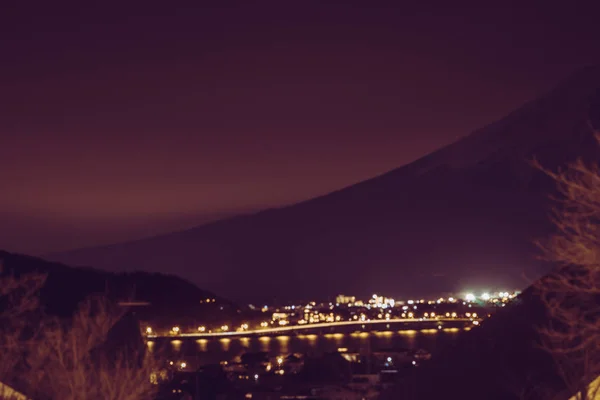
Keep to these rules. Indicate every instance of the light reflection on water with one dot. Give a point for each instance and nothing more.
(202, 344)
(225, 344)
(453, 330)
(245, 342)
(226, 349)
(176, 344)
(283, 344)
(264, 343)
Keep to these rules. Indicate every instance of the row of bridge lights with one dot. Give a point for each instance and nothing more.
(224, 328)
(244, 327)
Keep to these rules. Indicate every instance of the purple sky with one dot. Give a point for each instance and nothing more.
(126, 121)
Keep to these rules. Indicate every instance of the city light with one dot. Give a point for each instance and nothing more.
(378, 309)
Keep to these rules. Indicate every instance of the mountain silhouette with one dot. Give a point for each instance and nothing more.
(160, 299)
(461, 218)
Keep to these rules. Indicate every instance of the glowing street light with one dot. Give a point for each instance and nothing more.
(149, 330)
(470, 297)
(485, 296)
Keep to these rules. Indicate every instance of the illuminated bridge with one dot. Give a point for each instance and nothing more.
(306, 327)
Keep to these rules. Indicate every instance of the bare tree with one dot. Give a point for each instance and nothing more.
(74, 360)
(19, 303)
(68, 359)
(571, 293)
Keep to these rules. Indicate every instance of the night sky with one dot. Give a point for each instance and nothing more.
(118, 122)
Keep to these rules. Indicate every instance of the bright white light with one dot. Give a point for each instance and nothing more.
(470, 297)
(183, 365)
(256, 376)
(414, 363)
(485, 296)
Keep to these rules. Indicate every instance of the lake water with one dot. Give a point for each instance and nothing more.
(214, 350)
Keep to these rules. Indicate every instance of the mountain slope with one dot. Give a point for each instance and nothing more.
(461, 217)
(170, 299)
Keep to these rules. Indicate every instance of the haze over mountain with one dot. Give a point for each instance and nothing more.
(461, 218)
